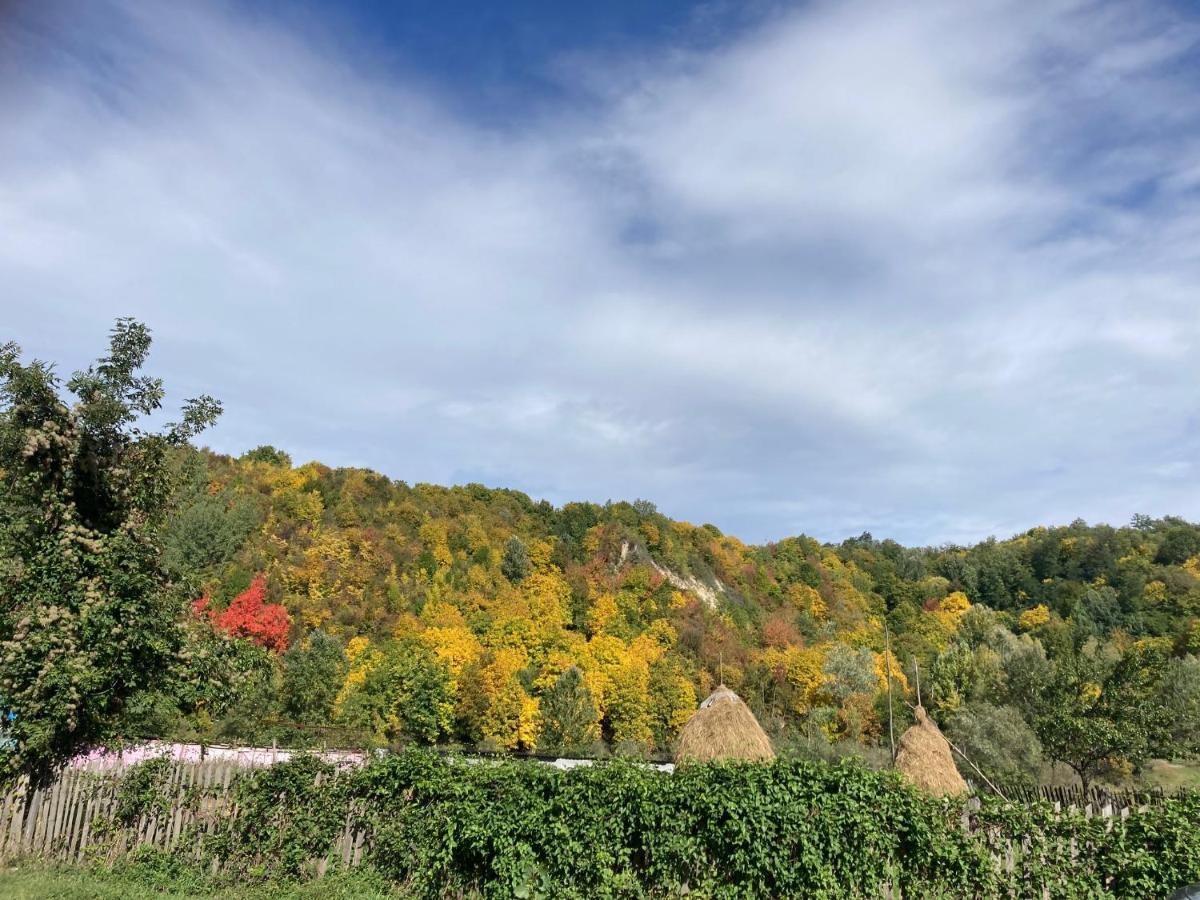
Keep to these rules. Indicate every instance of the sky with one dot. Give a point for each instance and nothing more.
(925, 270)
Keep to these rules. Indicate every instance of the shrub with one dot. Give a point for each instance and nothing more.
(445, 826)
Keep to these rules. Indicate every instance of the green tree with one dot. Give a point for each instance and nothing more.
(1180, 543)
(849, 671)
(220, 688)
(515, 564)
(570, 724)
(1181, 694)
(251, 695)
(405, 698)
(950, 679)
(88, 618)
(267, 454)
(1094, 708)
(312, 673)
(999, 741)
(206, 533)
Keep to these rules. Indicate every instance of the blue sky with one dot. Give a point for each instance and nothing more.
(500, 61)
(927, 270)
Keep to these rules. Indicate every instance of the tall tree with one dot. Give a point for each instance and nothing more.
(400, 693)
(515, 564)
(88, 617)
(569, 721)
(312, 673)
(1095, 709)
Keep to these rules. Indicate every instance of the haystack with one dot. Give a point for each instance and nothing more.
(722, 728)
(924, 756)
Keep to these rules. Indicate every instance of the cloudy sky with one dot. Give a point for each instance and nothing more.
(924, 269)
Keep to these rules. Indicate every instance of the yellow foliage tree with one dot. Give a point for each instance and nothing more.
(539, 556)
(1154, 593)
(603, 613)
(802, 669)
(435, 539)
(511, 716)
(886, 662)
(939, 625)
(951, 609)
(548, 597)
(289, 498)
(628, 710)
(672, 702)
(557, 662)
(1034, 617)
(647, 648)
(807, 599)
(805, 674)
(362, 658)
(457, 646)
(650, 532)
(440, 612)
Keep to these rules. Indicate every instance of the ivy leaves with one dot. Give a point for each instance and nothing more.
(446, 826)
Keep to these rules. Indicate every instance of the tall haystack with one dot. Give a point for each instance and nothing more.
(722, 728)
(924, 756)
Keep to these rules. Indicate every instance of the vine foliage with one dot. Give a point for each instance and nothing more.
(443, 826)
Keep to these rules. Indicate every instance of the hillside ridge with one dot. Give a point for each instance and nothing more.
(460, 613)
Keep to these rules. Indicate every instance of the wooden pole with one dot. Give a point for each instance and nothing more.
(977, 769)
(887, 660)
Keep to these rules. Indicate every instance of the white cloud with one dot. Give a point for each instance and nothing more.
(925, 269)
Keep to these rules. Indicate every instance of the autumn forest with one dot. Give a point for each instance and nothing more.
(367, 611)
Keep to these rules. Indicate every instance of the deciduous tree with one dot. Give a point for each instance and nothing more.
(89, 620)
(250, 616)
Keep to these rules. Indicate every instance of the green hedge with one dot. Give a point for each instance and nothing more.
(448, 827)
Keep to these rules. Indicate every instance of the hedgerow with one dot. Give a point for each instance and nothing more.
(437, 826)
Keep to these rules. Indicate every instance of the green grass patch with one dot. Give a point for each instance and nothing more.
(136, 882)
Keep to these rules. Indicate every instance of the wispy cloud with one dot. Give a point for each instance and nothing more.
(925, 270)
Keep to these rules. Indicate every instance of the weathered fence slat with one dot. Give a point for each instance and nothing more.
(10, 814)
(79, 810)
(62, 793)
(32, 817)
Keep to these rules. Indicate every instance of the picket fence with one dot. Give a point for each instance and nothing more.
(1074, 796)
(68, 821)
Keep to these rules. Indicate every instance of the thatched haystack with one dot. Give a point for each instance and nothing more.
(722, 728)
(925, 758)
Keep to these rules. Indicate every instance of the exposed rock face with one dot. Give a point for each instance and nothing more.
(709, 594)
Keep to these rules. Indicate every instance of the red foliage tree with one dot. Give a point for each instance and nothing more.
(248, 616)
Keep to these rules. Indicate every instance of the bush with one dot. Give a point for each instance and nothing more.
(438, 826)
(449, 826)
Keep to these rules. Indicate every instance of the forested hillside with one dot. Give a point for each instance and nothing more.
(366, 610)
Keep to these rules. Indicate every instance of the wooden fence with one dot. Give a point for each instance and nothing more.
(1074, 796)
(85, 816)
(72, 819)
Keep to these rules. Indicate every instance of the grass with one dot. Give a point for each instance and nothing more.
(40, 883)
(1171, 776)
